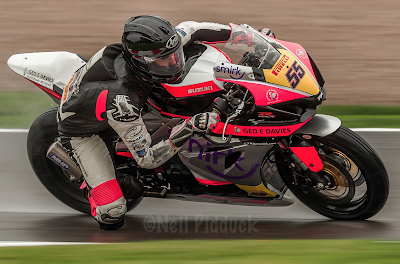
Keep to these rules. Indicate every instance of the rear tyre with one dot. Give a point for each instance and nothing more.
(360, 184)
(41, 135)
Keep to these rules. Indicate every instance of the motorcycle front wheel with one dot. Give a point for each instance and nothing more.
(41, 135)
(359, 182)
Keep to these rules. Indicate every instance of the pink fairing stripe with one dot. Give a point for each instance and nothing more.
(192, 90)
(153, 105)
(210, 182)
(262, 92)
(47, 90)
(214, 42)
(309, 156)
(223, 53)
(173, 115)
(165, 113)
(106, 192)
(125, 154)
(258, 131)
(101, 105)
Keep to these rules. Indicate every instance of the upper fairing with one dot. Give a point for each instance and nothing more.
(269, 61)
(200, 78)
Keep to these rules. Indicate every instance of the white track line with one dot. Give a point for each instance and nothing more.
(30, 244)
(376, 129)
(13, 130)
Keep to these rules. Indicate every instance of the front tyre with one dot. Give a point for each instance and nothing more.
(41, 135)
(359, 181)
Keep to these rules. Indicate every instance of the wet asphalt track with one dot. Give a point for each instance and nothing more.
(28, 212)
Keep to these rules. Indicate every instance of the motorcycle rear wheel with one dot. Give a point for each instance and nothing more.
(41, 135)
(360, 182)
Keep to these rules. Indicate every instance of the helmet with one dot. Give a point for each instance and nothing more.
(152, 48)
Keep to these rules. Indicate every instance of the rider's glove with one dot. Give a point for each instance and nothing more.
(204, 122)
(241, 37)
(267, 31)
(200, 123)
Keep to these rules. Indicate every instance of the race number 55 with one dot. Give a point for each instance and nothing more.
(295, 74)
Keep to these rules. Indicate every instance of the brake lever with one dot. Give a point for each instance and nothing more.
(218, 143)
(234, 115)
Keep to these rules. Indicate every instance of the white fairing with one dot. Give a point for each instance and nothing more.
(203, 70)
(46, 68)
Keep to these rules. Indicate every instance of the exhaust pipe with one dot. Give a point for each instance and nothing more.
(59, 155)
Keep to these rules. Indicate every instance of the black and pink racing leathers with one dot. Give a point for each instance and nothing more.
(106, 93)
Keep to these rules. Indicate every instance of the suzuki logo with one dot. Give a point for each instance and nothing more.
(200, 89)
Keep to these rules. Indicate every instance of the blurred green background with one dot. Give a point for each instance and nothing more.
(212, 251)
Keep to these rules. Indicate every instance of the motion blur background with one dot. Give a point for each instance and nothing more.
(354, 43)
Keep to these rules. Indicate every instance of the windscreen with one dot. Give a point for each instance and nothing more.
(247, 48)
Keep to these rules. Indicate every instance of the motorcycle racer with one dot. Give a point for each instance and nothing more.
(111, 90)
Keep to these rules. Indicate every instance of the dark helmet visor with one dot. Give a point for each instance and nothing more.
(167, 65)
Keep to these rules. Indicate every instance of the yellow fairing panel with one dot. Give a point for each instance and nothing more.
(290, 72)
(258, 191)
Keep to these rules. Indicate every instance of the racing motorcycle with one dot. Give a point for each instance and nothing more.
(270, 138)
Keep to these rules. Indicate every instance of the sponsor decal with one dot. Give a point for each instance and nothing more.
(59, 161)
(65, 92)
(264, 131)
(295, 74)
(200, 89)
(279, 66)
(256, 121)
(172, 42)
(38, 75)
(141, 153)
(212, 158)
(266, 114)
(139, 146)
(272, 96)
(38, 78)
(72, 87)
(183, 33)
(258, 143)
(234, 73)
(260, 131)
(301, 53)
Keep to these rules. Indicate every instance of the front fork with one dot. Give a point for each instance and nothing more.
(304, 156)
